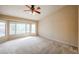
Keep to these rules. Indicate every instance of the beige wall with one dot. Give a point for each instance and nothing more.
(60, 26)
(8, 19)
(78, 29)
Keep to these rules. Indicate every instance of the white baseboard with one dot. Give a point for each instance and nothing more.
(66, 43)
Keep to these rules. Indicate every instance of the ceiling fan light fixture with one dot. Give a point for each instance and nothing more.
(33, 13)
(33, 10)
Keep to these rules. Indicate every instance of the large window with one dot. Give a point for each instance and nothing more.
(20, 28)
(17, 28)
(33, 28)
(27, 28)
(2, 29)
(12, 28)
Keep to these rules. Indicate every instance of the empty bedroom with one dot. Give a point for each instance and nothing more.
(38, 29)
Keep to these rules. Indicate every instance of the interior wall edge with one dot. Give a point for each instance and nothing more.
(78, 29)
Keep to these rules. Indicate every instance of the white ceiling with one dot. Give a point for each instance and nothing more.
(18, 11)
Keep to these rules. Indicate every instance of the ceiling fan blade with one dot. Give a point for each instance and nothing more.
(26, 10)
(33, 9)
(37, 11)
(28, 6)
(38, 8)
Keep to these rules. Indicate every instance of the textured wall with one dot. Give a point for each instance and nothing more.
(61, 25)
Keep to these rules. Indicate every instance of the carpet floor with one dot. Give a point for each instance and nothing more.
(35, 45)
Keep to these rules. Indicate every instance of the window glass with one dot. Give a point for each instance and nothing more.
(20, 28)
(23, 28)
(2, 29)
(33, 28)
(27, 28)
(12, 28)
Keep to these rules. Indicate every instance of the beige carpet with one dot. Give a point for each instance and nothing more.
(34, 45)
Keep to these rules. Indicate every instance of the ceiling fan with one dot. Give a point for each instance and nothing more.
(33, 9)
